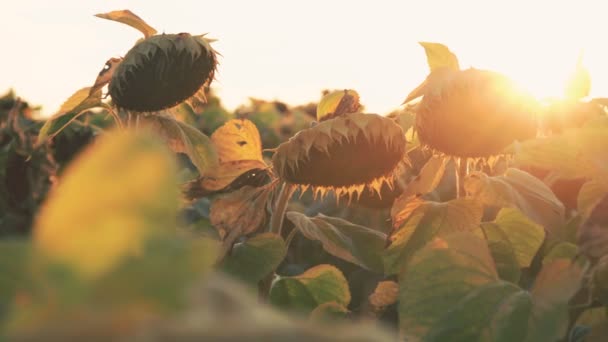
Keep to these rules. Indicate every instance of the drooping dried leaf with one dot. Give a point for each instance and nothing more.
(105, 75)
(79, 103)
(129, 18)
(184, 138)
(357, 244)
(518, 189)
(243, 210)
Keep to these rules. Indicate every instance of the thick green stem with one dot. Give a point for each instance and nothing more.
(461, 171)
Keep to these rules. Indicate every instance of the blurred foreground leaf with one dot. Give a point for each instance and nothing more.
(115, 194)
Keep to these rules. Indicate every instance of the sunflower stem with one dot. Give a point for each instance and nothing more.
(278, 214)
(276, 225)
(462, 169)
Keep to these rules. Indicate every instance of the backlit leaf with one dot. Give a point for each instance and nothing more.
(129, 18)
(255, 258)
(525, 236)
(439, 56)
(518, 189)
(589, 196)
(420, 221)
(438, 277)
(237, 140)
(184, 138)
(579, 83)
(503, 253)
(77, 104)
(338, 102)
(576, 153)
(429, 177)
(131, 192)
(357, 244)
(318, 285)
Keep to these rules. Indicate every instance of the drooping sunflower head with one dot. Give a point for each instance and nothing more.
(162, 71)
(346, 154)
(473, 113)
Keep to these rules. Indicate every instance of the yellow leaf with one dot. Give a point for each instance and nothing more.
(385, 294)
(439, 56)
(337, 103)
(237, 139)
(119, 191)
(227, 172)
(129, 18)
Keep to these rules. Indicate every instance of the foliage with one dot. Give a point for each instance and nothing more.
(175, 224)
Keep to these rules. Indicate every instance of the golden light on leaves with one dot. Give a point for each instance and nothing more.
(114, 195)
(239, 149)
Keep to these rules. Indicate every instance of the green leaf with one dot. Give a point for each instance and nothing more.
(589, 196)
(576, 153)
(502, 251)
(518, 189)
(255, 258)
(132, 185)
(485, 314)
(429, 177)
(318, 285)
(328, 312)
(438, 277)
(129, 18)
(418, 221)
(13, 264)
(556, 283)
(357, 244)
(77, 104)
(525, 236)
(439, 56)
(562, 250)
(184, 138)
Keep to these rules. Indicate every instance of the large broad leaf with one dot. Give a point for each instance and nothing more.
(503, 253)
(590, 195)
(494, 312)
(439, 56)
(255, 258)
(357, 244)
(129, 18)
(429, 177)
(184, 138)
(518, 189)
(438, 277)
(562, 250)
(416, 222)
(524, 236)
(131, 192)
(318, 285)
(556, 283)
(577, 153)
(77, 104)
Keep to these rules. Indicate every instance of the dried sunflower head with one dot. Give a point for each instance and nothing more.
(472, 113)
(346, 154)
(162, 71)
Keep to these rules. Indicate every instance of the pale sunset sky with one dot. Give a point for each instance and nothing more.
(291, 50)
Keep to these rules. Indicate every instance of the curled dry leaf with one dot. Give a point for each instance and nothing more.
(129, 18)
(244, 210)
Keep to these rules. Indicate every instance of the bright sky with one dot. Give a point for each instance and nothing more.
(291, 50)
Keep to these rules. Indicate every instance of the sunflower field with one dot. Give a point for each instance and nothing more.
(144, 210)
